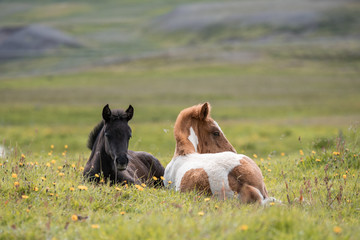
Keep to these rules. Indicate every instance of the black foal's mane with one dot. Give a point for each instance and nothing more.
(94, 133)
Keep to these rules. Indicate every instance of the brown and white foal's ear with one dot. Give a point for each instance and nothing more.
(205, 111)
(106, 113)
(129, 113)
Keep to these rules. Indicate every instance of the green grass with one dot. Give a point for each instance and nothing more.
(319, 192)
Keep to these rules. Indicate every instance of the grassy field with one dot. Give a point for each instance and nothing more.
(293, 106)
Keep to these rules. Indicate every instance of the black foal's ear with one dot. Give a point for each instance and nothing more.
(106, 113)
(129, 113)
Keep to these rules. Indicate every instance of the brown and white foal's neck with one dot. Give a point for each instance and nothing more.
(186, 143)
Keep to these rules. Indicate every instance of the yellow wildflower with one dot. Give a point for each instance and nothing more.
(53, 161)
(344, 176)
(313, 152)
(269, 170)
(207, 199)
(122, 213)
(61, 174)
(201, 213)
(118, 189)
(317, 160)
(64, 154)
(162, 178)
(74, 217)
(337, 229)
(43, 178)
(16, 184)
(143, 185)
(66, 146)
(254, 155)
(36, 189)
(155, 178)
(336, 153)
(282, 154)
(139, 187)
(301, 152)
(97, 175)
(52, 146)
(22, 156)
(50, 153)
(48, 164)
(24, 197)
(272, 204)
(169, 182)
(71, 189)
(95, 226)
(82, 187)
(14, 175)
(244, 227)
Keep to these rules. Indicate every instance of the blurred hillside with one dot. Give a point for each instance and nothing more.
(112, 32)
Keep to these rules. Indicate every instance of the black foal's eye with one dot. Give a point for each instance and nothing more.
(107, 134)
(216, 134)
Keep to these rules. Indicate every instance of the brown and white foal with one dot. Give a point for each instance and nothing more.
(205, 161)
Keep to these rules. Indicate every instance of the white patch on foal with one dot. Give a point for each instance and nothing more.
(217, 125)
(216, 165)
(193, 138)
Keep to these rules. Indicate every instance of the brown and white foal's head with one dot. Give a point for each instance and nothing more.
(196, 132)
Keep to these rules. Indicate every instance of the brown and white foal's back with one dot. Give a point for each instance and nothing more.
(205, 161)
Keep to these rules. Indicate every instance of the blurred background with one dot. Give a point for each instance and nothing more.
(275, 71)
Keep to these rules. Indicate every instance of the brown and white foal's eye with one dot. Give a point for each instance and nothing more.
(216, 134)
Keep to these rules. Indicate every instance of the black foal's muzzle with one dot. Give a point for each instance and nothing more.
(121, 162)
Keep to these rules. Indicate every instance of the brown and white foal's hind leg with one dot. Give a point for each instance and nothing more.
(247, 181)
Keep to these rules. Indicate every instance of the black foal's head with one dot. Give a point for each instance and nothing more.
(117, 134)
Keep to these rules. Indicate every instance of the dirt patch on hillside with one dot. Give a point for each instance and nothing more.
(32, 40)
(275, 13)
